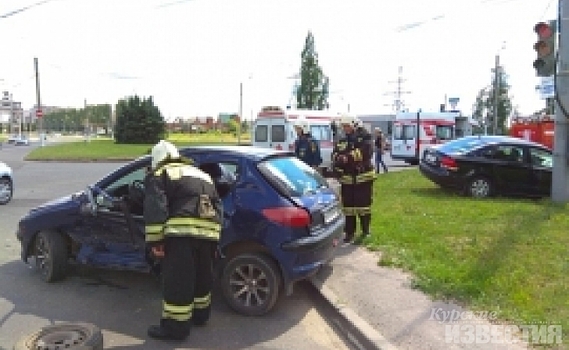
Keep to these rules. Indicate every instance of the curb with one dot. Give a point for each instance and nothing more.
(356, 329)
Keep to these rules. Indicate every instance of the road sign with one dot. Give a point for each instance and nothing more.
(39, 113)
(546, 88)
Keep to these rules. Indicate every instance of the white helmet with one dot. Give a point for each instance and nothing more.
(348, 119)
(163, 150)
(302, 123)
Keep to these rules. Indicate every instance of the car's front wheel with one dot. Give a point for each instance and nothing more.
(6, 190)
(50, 253)
(250, 284)
(63, 336)
(479, 187)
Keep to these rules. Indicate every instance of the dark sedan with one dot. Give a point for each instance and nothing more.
(281, 223)
(482, 166)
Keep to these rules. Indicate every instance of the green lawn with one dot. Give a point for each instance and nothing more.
(504, 255)
(106, 149)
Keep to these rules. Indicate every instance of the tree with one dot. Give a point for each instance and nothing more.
(313, 91)
(138, 121)
(485, 101)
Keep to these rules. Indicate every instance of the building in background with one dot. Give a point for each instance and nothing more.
(11, 114)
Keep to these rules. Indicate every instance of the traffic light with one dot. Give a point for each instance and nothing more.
(545, 48)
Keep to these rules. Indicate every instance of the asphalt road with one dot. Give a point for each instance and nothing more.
(123, 304)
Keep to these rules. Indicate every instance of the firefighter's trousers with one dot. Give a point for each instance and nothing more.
(356, 201)
(187, 279)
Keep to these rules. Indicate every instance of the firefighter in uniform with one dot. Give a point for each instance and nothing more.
(354, 170)
(182, 214)
(306, 147)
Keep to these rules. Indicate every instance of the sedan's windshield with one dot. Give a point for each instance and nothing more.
(292, 175)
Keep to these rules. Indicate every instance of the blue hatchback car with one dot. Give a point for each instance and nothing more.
(282, 221)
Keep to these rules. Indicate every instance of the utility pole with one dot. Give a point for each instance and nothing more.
(240, 113)
(398, 102)
(560, 181)
(39, 112)
(497, 78)
(87, 126)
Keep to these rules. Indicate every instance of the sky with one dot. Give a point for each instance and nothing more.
(192, 56)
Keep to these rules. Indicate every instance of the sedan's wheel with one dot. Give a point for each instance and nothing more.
(480, 187)
(250, 284)
(6, 190)
(50, 253)
(63, 336)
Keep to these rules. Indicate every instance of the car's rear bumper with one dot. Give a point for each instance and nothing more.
(441, 177)
(304, 256)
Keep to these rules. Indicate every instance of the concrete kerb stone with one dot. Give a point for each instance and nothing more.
(356, 329)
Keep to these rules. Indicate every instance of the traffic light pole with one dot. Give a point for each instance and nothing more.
(560, 184)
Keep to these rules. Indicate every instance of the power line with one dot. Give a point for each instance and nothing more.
(546, 9)
(15, 12)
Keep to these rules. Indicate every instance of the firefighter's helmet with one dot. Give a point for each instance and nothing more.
(347, 119)
(302, 123)
(163, 150)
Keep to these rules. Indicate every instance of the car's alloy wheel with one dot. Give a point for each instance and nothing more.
(250, 284)
(50, 253)
(63, 336)
(480, 187)
(6, 190)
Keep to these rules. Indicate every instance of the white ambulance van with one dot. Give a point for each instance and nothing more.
(434, 128)
(274, 128)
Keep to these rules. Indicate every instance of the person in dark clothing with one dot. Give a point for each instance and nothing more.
(182, 214)
(307, 148)
(379, 150)
(353, 168)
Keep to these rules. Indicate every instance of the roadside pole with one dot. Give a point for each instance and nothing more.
(240, 113)
(39, 112)
(560, 181)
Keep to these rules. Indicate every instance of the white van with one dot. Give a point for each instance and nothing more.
(434, 128)
(274, 128)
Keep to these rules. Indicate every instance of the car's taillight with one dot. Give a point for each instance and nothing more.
(288, 216)
(449, 163)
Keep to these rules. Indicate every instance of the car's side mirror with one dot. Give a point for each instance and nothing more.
(104, 201)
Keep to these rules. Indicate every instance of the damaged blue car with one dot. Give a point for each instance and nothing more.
(282, 221)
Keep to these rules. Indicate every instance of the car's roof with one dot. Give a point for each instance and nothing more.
(503, 139)
(251, 152)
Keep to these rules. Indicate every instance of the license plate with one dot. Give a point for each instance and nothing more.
(430, 158)
(331, 214)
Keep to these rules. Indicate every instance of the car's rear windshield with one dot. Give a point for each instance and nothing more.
(463, 145)
(291, 175)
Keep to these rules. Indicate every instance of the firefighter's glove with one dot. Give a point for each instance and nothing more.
(157, 250)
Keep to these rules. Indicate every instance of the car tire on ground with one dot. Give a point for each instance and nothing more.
(479, 187)
(50, 255)
(7, 190)
(250, 284)
(63, 336)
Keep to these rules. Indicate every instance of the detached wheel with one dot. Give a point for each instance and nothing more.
(50, 255)
(479, 187)
(250, 284)
(6, 190)
(83, 336)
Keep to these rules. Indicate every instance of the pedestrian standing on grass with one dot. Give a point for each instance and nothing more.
(379, 150)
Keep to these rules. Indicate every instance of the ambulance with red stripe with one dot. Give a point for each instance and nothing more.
(434, 128)
(274, 128)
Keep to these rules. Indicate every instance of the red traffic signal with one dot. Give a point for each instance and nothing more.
(545, 48)
(543, 30)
